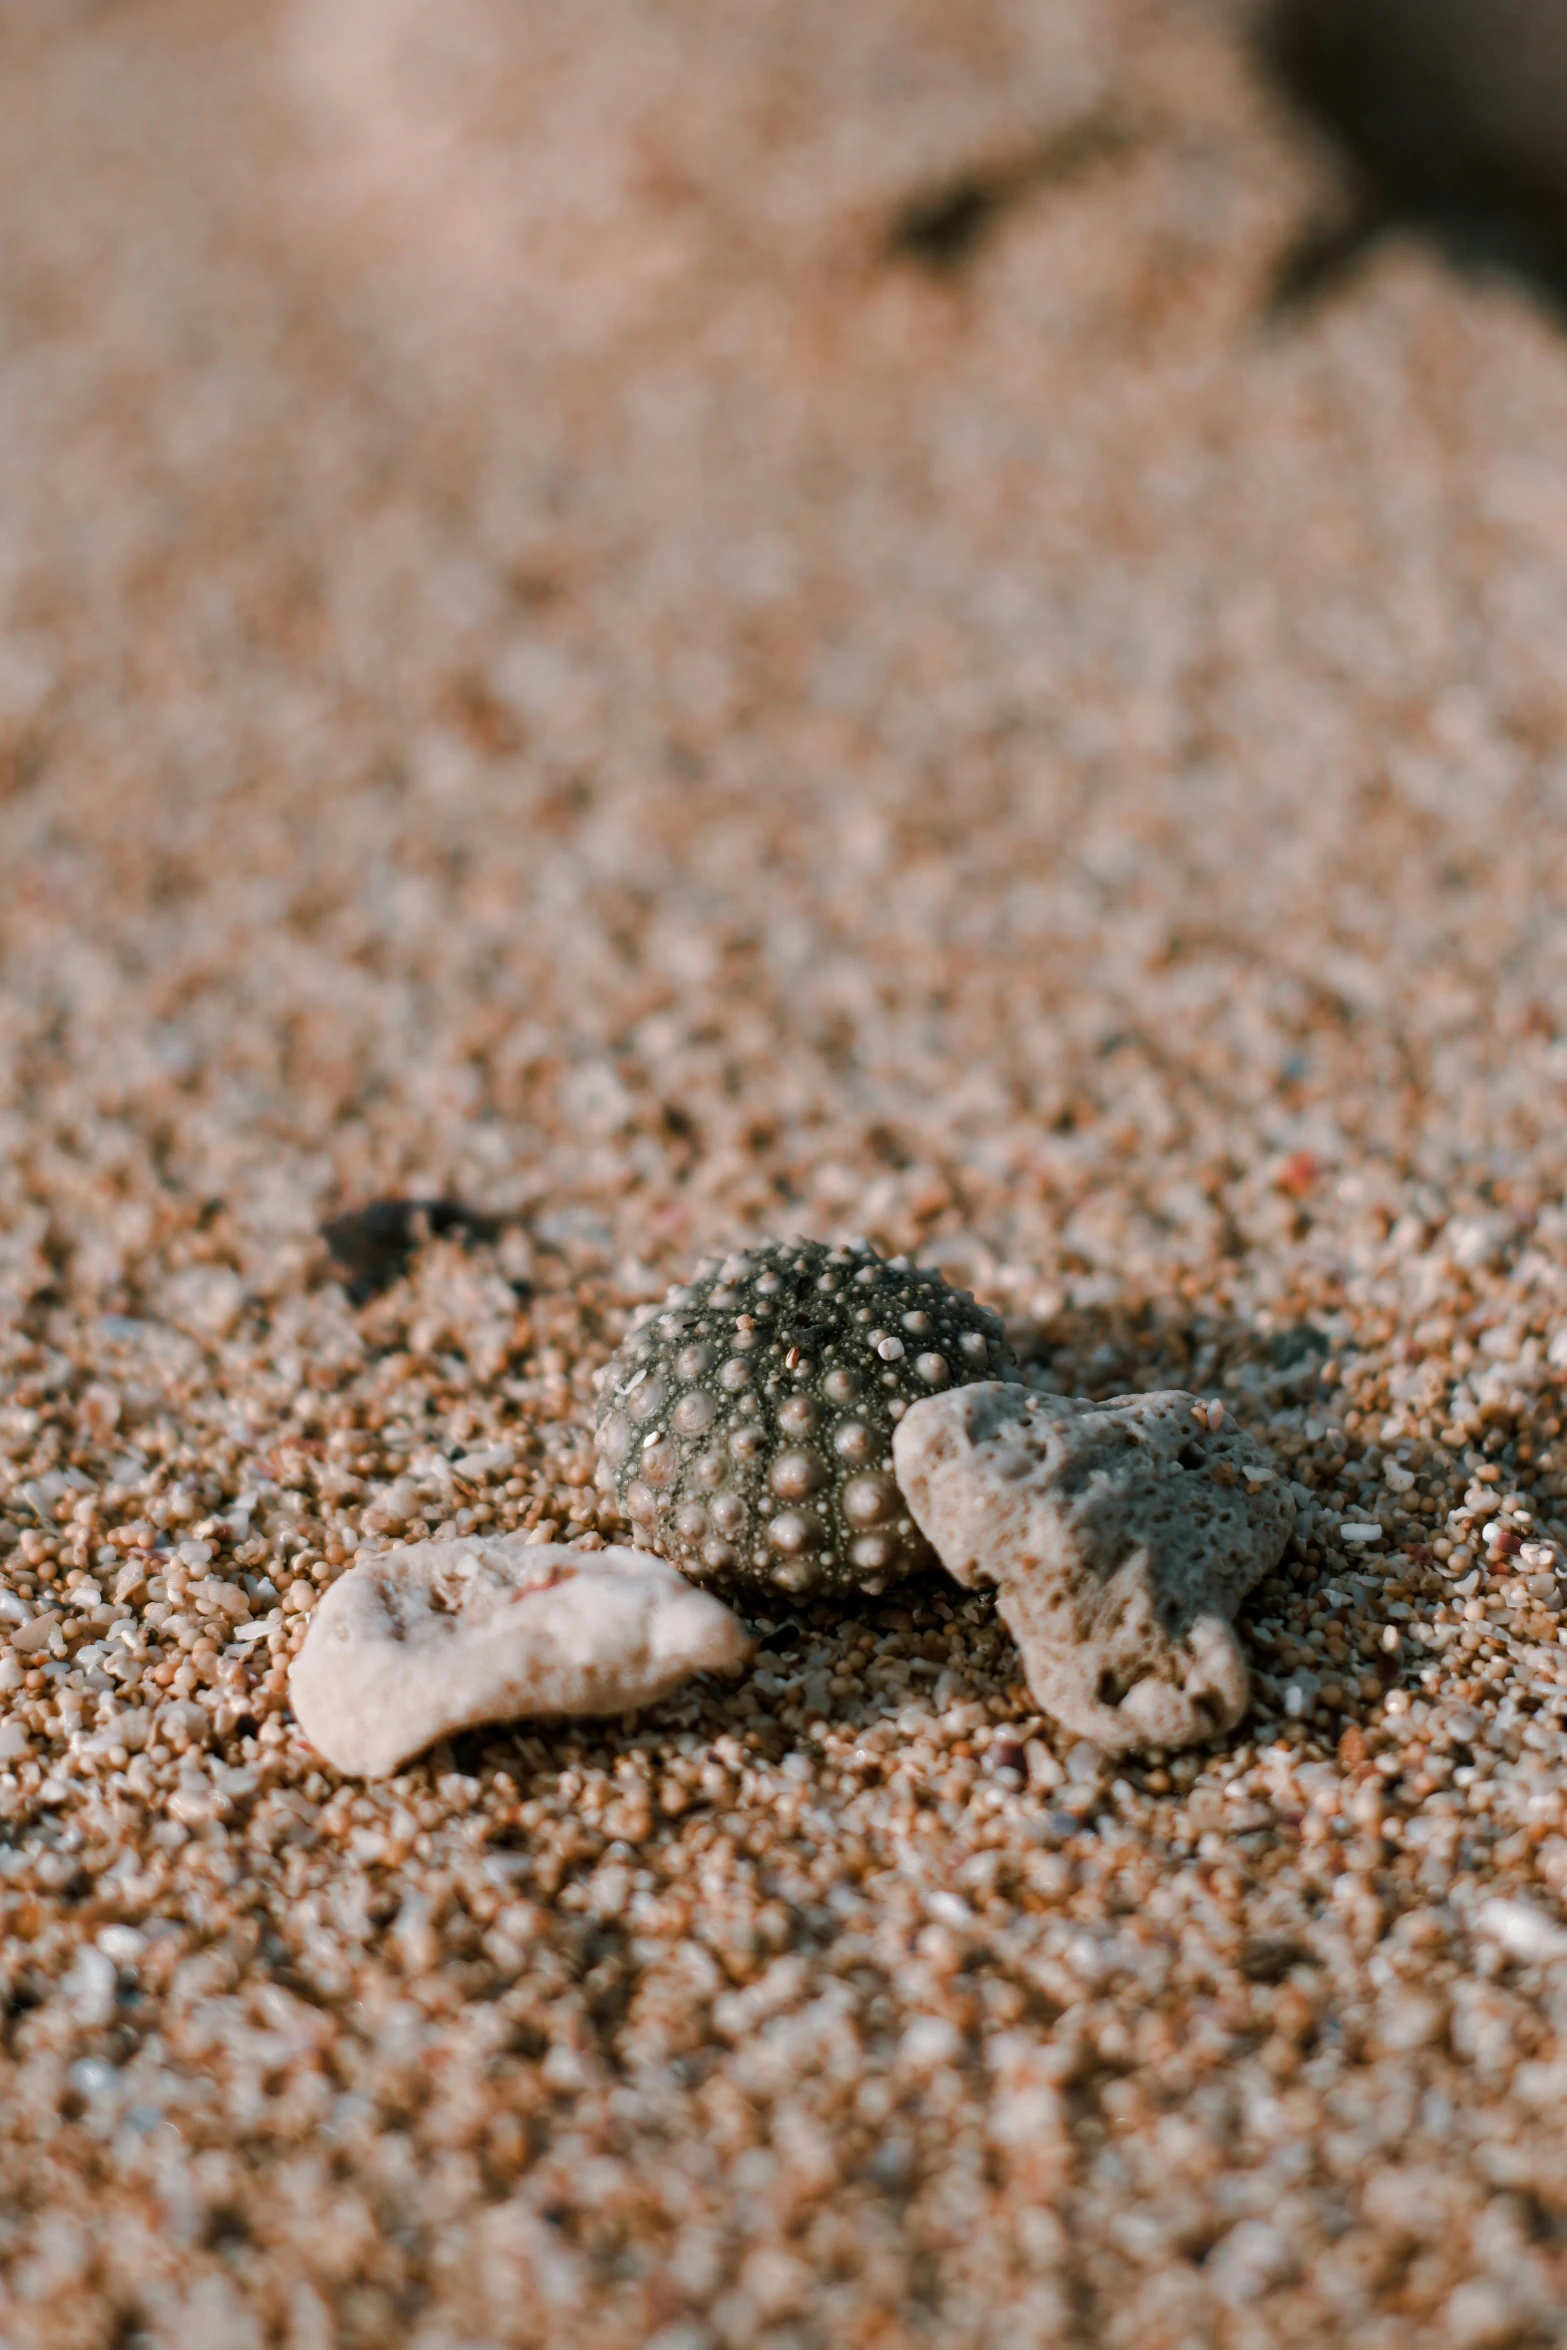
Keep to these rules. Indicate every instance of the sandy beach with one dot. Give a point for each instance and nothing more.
(684, 624)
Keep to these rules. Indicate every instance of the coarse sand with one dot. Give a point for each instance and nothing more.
(565, 649)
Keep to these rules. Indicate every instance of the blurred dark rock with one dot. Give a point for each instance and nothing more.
(1451, 115)
(372, 1245)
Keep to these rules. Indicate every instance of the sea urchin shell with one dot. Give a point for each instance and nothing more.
(746, 1424)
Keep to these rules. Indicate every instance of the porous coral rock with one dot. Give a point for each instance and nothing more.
(415, 1644)
(1121, 1536)
(746, 1424)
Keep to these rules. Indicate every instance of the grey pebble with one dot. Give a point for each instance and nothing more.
(1121, 1537)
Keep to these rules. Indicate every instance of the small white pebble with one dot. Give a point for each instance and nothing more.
(123, 1944)
(1524, 1932)
(92, 1987)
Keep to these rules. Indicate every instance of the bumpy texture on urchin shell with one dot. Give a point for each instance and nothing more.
(746, 1424)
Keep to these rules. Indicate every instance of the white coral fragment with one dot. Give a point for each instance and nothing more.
(415, 1644)
(1120, 1537)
